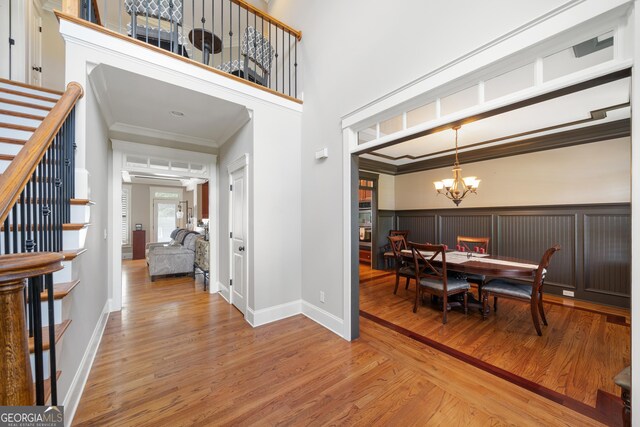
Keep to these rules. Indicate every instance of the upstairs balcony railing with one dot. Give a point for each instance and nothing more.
(231, 36)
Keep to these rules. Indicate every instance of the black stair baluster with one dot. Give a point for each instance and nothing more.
(7, 237)
(255, 49)
(73, 152)
(22, 231)
(52, 339)
(295, 67)
(14, 219)
(27, 241)
(202, 20)
(244, 72)
(35, 288)
(40, 206)
(289, 56)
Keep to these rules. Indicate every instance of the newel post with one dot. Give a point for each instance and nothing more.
(16, 382)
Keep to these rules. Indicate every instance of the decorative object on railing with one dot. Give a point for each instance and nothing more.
(16, 384)
(457, 188)
(228, 35)
(35, 193)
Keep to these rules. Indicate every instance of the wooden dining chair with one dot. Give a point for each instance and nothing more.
(388, 254)
(432, 277)
(404, 267)
(521, 291)
(470, 244)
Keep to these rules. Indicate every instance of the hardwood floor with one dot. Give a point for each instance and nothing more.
(176, 355)
(582, 349)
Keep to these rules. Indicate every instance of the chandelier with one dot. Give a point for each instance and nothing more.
(457, 188)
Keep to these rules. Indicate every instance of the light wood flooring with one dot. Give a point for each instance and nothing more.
(176, 355)
(580, 351)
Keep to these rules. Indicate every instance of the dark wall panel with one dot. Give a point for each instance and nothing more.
(452, 226)
(422, 227)
(595, 259)
(607, 253)
(386, 222)
(527, 236)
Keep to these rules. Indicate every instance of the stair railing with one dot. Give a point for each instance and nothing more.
(231, 36)
(35, 194)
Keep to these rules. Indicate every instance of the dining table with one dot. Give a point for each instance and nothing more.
(481, 264)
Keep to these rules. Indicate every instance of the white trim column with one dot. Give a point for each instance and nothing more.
(635, 220)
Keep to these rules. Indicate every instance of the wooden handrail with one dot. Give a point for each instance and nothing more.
(18, 173)
(269, 18)
(73, 8)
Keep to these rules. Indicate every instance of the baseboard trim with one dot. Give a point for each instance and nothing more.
(323, 318)
(272, 314)
(224, 292)
(72, 399)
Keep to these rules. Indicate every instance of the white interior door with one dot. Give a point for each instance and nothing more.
(36, 49)
(239, 225)
(164, 219)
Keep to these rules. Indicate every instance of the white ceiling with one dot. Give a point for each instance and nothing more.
(528, 122)
(138, 105)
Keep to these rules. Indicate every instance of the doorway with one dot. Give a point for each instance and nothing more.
(238, 235)
(35, 48)
(164, 219)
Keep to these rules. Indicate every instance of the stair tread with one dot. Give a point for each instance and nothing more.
(13, 141)
(8, 157)
(28, 95)
(17, 127)
(24, 104)
(28, 86)
(22, 115)
(70, 255)
(61, 290)
(60, 328)
(82, 202)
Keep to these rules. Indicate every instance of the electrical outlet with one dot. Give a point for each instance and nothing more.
(568, 293)
(321, 296)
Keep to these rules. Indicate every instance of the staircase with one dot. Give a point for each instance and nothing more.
(42, 235)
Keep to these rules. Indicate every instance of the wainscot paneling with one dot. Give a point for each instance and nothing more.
(422, 226)
(527, 235)
(595, 259)
(607, 254)
(386, 222)
(452, 226)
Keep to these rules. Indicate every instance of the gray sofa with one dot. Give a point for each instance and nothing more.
(175, 257)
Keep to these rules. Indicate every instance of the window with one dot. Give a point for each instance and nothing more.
(126, 214)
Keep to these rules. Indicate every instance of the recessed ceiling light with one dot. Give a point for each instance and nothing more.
(177, 113)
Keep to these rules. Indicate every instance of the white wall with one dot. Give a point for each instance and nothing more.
(240, 143)
(4, 36)
(89, 298)
(634, 23)
(591, 173)
(351, 54)
(277, 207)
(386, 192)
(52, 53)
